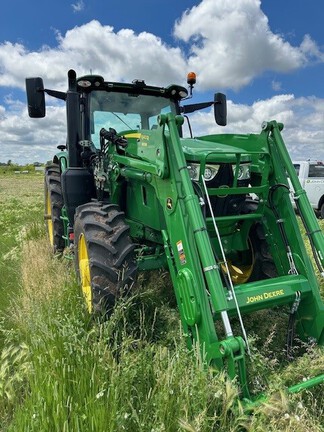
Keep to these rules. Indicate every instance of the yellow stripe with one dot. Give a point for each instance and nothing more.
(133, 135)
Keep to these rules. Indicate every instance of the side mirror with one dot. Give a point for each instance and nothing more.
(35, 97)
(220, 109)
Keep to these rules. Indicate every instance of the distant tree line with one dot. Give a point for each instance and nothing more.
(11, 163)
(10, 167)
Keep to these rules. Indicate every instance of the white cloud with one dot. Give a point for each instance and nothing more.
(276, 86)
(78, 6)
(231, 43)
(311, 50)
(124, 55)
(2, 112)
(26, 140)
(29, 140)
(302, 117)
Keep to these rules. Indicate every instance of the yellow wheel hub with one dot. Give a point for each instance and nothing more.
(84, 267)
(241, 273)
(238, 274)
(50, 227)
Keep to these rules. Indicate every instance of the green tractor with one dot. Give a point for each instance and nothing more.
(129, 193)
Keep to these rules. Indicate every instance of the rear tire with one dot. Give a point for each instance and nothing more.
(53, 207)
(104, 255)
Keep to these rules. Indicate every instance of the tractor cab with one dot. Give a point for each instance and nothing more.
(126, 108)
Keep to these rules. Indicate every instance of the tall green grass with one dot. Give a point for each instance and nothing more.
(20, 210)
(62, 371)
(73, 374)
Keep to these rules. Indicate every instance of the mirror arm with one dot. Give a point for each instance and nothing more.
(187, 109)
(54, 93)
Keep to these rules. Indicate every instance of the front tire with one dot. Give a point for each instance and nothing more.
(53, 207)
(254, 264)
(104, 255)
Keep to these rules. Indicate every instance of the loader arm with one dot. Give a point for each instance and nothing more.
(195, 273)
(313, 230)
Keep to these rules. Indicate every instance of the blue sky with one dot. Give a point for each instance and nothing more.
(267, 56)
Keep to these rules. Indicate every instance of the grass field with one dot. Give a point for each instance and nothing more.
(61, 371)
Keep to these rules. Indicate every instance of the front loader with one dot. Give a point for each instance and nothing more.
(127, 193)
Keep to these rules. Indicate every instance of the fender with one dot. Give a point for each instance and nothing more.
(61, 158)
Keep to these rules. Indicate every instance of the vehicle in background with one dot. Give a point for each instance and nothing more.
(311, 177)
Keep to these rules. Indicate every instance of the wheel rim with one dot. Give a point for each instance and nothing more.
(241, 273)
(49, 219)
(84, 268)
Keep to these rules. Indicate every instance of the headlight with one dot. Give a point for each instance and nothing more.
(209, 174)
(212, 170)
(243, 172)
(194, 171)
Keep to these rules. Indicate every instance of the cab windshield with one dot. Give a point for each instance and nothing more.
(125, 112)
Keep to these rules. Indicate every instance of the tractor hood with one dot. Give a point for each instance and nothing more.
(224, 147)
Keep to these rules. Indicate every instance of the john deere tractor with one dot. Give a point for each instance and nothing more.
(127, 193)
